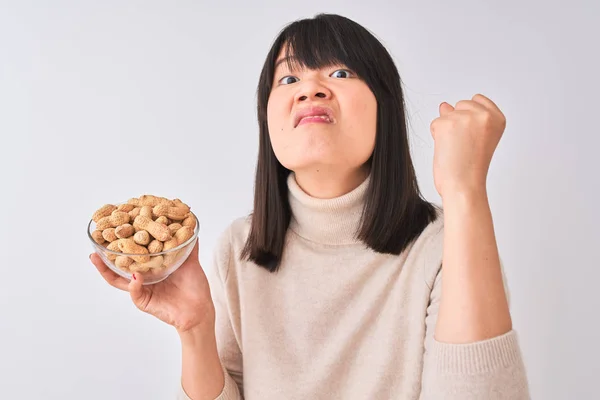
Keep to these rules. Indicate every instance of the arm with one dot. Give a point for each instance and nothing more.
(212, 359)
(472, 353)
(471, 348)
(202, 375)
(474, 306)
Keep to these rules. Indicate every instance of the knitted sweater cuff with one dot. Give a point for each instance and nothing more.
(478, 357)
(230, 390)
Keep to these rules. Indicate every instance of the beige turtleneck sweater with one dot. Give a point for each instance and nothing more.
(340, 321)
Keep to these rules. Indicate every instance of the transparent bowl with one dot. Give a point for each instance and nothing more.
(171, 260)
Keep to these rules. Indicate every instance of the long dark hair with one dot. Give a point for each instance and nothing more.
(394, 213)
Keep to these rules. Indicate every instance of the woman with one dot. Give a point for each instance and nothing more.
(332, 288)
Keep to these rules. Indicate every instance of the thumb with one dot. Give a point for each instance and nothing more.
(137, 291)
(445, 108)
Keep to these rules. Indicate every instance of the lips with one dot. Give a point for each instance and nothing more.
(321, 112)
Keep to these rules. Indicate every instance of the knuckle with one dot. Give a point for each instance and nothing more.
(433, 125)
(462, 104)
(486, 116)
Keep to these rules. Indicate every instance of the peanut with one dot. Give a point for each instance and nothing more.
(164, 200)
(131, 247)
(125, 207)
(174, 228)
(149, 200)
(109, 234)
(184, 234)
(123, 262)
(163, 220)
(154, 263)
(155, 246)
(172, 256)
(113, 246)
(158, 271)
(181, 236)
(124, 231)
(190, 221)
(181, 204)
(102, 212)
(97, 236)
(173, 213)
(134, 213)
(116, 211)
(146, 211)
(135, 201)
(142, 238)
(158, 231)
(170, 244)
(113, 220)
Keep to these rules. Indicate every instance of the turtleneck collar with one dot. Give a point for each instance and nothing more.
(327, 221)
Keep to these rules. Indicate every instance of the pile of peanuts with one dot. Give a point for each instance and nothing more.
(146, 225)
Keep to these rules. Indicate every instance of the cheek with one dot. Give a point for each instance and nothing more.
(276, 116)
(362, 118)
(277, 125)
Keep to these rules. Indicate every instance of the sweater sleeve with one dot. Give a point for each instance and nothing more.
(227, 341)
(490, 369)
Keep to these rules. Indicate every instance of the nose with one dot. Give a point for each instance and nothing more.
(312, 89)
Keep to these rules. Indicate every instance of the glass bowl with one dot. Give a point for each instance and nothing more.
(157, 269)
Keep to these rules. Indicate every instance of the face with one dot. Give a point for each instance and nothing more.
(341, 141)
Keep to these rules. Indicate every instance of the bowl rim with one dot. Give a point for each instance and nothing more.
(174, 249)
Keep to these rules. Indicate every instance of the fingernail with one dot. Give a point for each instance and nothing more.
(90, 256)
(134, 278)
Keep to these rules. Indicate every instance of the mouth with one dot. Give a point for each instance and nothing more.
(315, 114)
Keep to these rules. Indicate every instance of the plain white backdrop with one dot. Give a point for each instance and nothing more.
(103, 101)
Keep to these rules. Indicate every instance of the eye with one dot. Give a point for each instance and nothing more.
(347, 72)
(284, 81)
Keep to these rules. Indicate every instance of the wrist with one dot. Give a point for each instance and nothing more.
(202, 375)
(465, 196)
(198, 336)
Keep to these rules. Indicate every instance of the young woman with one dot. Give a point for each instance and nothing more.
(344, 283)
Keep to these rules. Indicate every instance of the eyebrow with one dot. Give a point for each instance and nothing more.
(287, 58)
(282, 60)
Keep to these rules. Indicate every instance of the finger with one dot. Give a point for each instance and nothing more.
(109, 275)
(445, 108)
(486, 102)
(470, 105)
(138, 293)
(459, 114)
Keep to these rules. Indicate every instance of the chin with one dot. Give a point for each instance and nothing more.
(309, 157)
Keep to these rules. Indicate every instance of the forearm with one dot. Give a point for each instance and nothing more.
(202, 374)
(473, 303)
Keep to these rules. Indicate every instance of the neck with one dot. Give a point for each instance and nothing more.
(327, 183)
(333, 220)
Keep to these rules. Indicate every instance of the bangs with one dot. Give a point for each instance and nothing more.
(320, 42)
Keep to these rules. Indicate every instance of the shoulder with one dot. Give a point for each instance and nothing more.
(230, 243)
(237, 232)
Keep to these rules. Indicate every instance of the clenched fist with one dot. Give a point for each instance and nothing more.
(466, 137)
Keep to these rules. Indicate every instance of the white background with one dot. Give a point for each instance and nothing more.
(103, 101)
